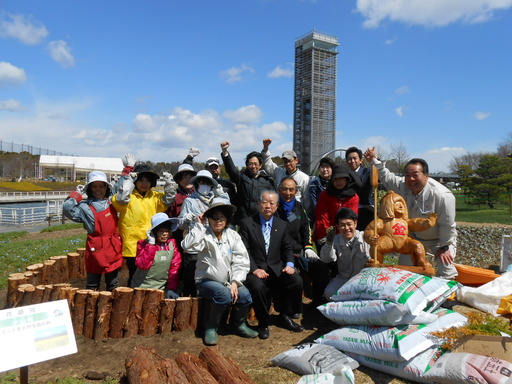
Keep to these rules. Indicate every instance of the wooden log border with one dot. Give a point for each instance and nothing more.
(124, 312)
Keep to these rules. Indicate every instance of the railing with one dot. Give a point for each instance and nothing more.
(18, 197)
(31, 216)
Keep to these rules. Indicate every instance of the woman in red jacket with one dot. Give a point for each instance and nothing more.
(340, 192)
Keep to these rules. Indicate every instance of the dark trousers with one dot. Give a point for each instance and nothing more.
(364, 217)
(316, 276)
(111, 280)
(285, 290)
(130, 264)
(187, 272)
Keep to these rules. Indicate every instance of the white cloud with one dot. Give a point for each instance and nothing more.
(9, 74)
(481, 115)
(237, 74)
(439, 159)
(61, 53)
(11, 105)
(402, 90)
(279, 71)
(159, 137)
(400, 111)
(22, 28)
(390, 41)
(250, 114)
(435, 13)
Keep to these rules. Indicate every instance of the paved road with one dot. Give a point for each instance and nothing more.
(28, 228)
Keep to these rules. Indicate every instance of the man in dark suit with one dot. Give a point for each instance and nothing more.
(272, 274)
(354, 159)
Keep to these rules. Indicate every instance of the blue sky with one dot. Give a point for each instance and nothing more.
(103, 78)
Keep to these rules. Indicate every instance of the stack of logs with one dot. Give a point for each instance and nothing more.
(124, 312)
(144, 366)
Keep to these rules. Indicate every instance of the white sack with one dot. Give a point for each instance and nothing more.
(416, 292)
(328, 378)
(372, 312)
(312, 358)
(487, 297)
(463, 368)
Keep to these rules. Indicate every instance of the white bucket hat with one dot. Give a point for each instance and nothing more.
(182, 169)
(97, 176)
(206, 174)
(161, 218)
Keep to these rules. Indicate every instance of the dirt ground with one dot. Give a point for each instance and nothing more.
(107, 357)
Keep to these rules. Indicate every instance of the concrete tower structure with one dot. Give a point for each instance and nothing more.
(314, 113)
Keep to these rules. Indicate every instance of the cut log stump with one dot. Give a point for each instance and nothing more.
(122, 297)
(144, 366)
(195, 370)
(134, 317)
(225, 370)
(103, 314)
(151, 312)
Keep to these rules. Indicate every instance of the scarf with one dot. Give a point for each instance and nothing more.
(287, 206)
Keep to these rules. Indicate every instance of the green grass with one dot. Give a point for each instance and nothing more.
(62, 227)
(482, 214)
(16, 254)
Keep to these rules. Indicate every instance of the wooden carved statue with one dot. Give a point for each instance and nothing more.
(391, 233)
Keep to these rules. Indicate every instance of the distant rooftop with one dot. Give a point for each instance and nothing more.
(320, 36)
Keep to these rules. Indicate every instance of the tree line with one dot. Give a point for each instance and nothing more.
(486, 177)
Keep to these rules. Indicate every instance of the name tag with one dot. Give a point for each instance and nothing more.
(292, 217)
(163, 258)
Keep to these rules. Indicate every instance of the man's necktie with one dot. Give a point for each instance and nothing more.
(266, 235)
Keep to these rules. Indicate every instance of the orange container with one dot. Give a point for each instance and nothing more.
(473, 275)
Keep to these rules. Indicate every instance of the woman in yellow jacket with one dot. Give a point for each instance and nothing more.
(136, 203)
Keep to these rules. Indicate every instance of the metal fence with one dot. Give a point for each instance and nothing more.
(31, 216)
(6, 146)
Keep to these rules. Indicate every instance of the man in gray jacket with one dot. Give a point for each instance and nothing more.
(424, 195)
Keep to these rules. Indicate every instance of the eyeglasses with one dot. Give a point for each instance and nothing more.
(218, 218)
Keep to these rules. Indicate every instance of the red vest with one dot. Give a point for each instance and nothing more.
(103, 253)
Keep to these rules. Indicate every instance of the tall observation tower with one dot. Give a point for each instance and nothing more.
(314, 109)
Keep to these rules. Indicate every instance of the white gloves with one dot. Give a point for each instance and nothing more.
(219, 190)
(150, 237)
(80, 189)
(193, 152)
(167, 178)
(311, 255)
(129, 160)
(190, 217)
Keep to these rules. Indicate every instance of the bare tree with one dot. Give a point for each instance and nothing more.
(400, 156)
(472, 160)
(505, 148)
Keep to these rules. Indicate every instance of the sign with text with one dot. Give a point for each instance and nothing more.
(35, 333)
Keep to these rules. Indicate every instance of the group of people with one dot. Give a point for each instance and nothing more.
(261, 238)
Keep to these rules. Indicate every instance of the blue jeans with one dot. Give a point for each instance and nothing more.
(220, 294)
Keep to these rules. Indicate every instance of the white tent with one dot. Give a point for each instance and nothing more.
(81, 166)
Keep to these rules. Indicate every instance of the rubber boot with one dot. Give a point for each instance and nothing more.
(238, 325)
(212, 323)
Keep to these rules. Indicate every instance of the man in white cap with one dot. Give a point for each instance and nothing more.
(213, 165)
(289, 168)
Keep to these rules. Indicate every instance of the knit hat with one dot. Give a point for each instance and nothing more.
(339, 171)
